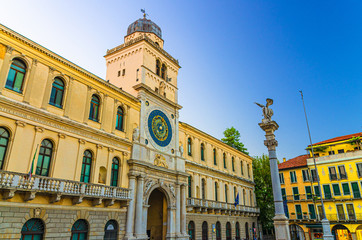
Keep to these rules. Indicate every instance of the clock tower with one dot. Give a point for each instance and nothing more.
(141, 67)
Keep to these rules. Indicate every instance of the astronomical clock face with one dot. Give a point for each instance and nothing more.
(159, 129)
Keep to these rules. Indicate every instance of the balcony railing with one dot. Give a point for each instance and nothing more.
(210, 204)
(326, 197)
(13, 182)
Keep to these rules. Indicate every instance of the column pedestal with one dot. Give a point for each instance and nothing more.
(327, 234)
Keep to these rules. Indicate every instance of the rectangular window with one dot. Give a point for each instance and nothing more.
(123, 72)
(296, 193)
(355, 190)
(350, 211)
(345, 188)
(340, 150)
(316, 191)
(340, 212)
(308, 192)
(359, 169)
(327, 192)
(248, 168)
(281, 178)
(119, 73)
(311, 209)
(293, 177)
(306, 177)
(298, 211)
(284, 195)
(320, 212)
(342, 172)
(336, 189)
(332, 173)
(314, 175)
(331, 152)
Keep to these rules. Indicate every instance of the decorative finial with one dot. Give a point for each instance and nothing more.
(267, 112)
(143, 10)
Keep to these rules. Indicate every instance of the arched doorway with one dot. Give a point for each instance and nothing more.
(157, 216)
(247, 231)
(296, 232)
(205, 231)
(218, 231)
(341, 232)
(359, 232)
(228, 231)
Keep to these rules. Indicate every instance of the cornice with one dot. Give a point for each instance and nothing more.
(218, 171)
(139, 39)
(185, 126)
(62, 60)
(142, 86)
(40, 116)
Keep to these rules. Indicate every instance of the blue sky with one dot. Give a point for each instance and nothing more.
(232, 54)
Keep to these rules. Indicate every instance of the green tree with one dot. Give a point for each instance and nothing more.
(264, 190)
(232, 138)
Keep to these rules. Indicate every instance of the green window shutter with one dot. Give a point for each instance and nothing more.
(298, 211)
(345, 188)
(308, 192)
(316, 191)
(355, 189)
(336, 190)
(296, 193)
(312, 213)
(327, 191)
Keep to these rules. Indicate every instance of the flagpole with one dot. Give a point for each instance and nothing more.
(30, 174)
(327, 235)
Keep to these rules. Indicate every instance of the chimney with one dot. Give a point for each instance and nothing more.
(284, 159)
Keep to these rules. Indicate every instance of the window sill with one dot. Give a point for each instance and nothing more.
(57, 106)
(17, 92)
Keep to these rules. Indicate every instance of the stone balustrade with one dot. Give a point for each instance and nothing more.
(13, 181)
(210, 205)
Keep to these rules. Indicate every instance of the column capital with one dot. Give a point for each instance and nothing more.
(141, 177)
(131, 175)
(9, 49)
(271, 144)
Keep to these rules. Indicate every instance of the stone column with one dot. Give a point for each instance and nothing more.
(48, 88)
(145, 213)
(30, 83)
(139, 207)
(170, 223)
(183, 210)
(131, 205)
(178, 210)
(281, 222)
(5, 67)
(68, 100)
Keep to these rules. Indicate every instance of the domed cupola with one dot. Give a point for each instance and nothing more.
(144, 25)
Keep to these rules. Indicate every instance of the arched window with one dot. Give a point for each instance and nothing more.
(44, 158)
(111, 230)
(216, 188)
(203, 186)
(158, 67)
(214, 151)
(228, 231)
(218, 230)
(114, 172)
(56, 97)
(247, 231)
(226, 193)
(15, 80)
(189, 146)
(86, 167)
(119, 122)
(94, 108)
(232, 163)
(32, 229)
(190, 186)
(202, 149)
(4, 140)
(163, 71)
(79, 230)
(237, 231)
(205, 231)
(241, 168)
(191, 229)
(224, 159)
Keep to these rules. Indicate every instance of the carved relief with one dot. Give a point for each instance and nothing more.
(160, 161)
(136, 134)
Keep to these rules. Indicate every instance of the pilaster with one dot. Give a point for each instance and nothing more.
(5, 67)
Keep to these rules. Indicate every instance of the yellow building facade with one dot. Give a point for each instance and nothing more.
(86, 158)
(339, 164)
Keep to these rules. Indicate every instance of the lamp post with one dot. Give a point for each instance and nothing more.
(281, 222)
(327, 234)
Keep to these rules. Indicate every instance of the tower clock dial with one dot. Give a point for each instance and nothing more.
(159, 128)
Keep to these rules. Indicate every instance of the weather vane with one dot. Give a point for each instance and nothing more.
(143, 10)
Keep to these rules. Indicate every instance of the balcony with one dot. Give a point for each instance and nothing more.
(344, 217)
(210, 206)
(11, 182)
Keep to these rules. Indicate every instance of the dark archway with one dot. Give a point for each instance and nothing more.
(296, 232)
(247, 231)
(205, 231)
(341, 232)
(218, 231)
(228, 231)
(157, 215)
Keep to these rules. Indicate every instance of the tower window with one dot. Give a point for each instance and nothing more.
(119, 73)
(158, 67)
(123, 72)
(163, 71)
